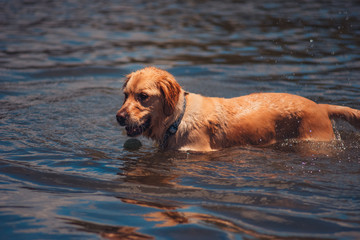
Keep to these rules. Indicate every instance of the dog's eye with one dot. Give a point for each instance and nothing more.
(126, 96)
(143, 96)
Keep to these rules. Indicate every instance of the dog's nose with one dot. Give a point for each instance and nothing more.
(120, 117)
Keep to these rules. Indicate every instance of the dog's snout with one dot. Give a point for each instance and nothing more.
(121, 118)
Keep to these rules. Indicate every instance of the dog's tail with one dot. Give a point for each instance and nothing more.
(349, 114)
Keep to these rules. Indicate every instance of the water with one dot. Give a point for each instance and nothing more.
(65, 173)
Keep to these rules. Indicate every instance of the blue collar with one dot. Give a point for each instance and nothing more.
(173, 127)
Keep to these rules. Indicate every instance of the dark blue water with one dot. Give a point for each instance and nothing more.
(64, 170)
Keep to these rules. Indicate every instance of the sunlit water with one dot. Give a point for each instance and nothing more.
(65, 173)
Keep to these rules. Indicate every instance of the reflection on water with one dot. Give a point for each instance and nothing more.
(66, 171)
(109, 232)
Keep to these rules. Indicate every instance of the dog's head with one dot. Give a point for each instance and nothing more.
(151, 95)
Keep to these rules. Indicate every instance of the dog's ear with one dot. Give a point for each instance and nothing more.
(127, 80)
(170, 91)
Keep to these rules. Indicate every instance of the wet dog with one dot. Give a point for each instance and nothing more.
(157, 107)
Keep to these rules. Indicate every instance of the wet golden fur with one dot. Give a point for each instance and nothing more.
(154, 100)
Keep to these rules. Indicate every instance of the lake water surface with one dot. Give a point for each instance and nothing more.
(64, 170)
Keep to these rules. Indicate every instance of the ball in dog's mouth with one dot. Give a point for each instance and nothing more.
(133, 130)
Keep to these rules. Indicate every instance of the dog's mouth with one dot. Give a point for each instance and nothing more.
(136, 130)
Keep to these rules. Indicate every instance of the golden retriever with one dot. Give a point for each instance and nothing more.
(157, 107)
